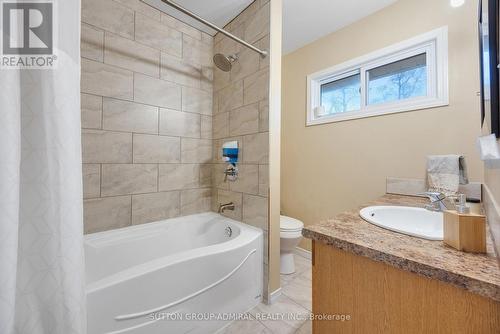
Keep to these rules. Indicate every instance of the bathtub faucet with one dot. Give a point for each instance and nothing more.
(227, 206)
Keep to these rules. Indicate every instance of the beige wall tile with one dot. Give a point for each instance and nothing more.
(231, 97)
(106, 80)
(156, 92)
(196, 150)
(197, 52)
(158, 35)
(258, 24)
(91, 180)
(129, 116)
(264, 180)
(255, 211)
(221, 125)
(131, 55)
(124, 179)
(256, 148)
(207, 78)
(180, 26)
(244, 120)
(142, 8)
(206, 38)
(196, 100)
(206, 175)
(256, 87)
(92, 43)
(106, 147)
(179, 123)
(264, 116)
(176, 70)
(206, 127)
(91, 111)
(195, 201)
(179, 176)
(109, 15)
(156, 149)
(103, 214)
(247, 181)
(221, 79)
(224, 197)
(247, 64)
(147, 208)
(218, 177)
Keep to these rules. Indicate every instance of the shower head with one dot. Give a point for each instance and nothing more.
(224, 63)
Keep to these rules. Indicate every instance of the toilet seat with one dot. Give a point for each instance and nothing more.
(289, 224)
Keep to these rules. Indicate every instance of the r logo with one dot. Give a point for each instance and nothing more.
(27, 28)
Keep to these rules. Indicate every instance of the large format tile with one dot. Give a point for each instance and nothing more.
(225, 197)
(179, 123)
(300, 291)
(247, 326)
(255, 211)
(264, 115)
(174, 23)
(306, 328)
(106, 147)
(283, 305)
(196, 150)
(106, 80)
(148, 208)
(231, 97)
(197, 52)
(158, 35)
(156, 149)
(256, 87)
(92, 43)
(256, 148)
(91, 180)
(124, 179)
(220, 125)
(179, 176)
(125, 53)
(247, 64)
(264, 180)
(247, 180)
(126, 116)
(302, 267)
(142, 8)
(102, 214)
(244, 120)
(195, 201)
(196, 100)
(109, 15)
(258, 24)
(91, 106)
(156, 92)
(175, 69)
(206, 127)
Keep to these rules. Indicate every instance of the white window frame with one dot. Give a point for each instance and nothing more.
(435, 46)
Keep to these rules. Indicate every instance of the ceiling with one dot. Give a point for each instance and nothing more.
(307, 21)
(218, 12)
(304, 21)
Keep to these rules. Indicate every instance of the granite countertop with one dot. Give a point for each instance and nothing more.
(477, 273)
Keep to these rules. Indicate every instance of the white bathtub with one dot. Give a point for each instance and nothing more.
(152, 278)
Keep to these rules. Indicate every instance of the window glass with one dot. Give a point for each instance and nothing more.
(400, 80)
(341, 95)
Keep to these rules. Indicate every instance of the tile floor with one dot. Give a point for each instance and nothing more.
(296, 298)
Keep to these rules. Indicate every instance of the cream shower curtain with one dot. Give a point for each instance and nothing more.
(42, 282)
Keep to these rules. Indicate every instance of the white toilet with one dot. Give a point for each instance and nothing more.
(290, 236)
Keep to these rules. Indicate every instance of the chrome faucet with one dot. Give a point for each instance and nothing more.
(227, 206)
(438, 201)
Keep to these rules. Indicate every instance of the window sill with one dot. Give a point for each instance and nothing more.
(380, 111)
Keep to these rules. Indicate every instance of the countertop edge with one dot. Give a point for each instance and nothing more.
(485, 289)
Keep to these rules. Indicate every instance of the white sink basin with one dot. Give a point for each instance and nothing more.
(416, 222)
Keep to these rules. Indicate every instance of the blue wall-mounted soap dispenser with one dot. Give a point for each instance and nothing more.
(230, 155)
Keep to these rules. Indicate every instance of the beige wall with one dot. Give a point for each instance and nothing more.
(241, 112)
(146, 115)
(329, 168)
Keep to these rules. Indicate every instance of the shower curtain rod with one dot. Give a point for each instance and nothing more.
(213, 26)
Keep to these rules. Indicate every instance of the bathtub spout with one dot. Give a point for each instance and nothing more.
(227, 206)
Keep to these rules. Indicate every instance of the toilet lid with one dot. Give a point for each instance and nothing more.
(290, 224)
